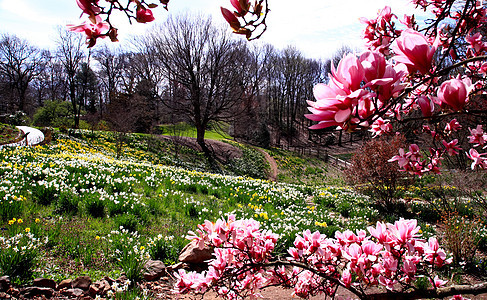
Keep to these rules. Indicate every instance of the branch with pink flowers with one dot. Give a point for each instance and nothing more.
(401, 78)
(248, 19)
(389, 256)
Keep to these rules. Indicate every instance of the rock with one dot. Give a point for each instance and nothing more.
(174, 267)
(153, 270)
(100, 287)
(45, 282)
(66, 283)
(109, 280)
(4, 295)
(35, 291)
(191, 254)
(82, 282)
(73, 292)
(94, 290)
(4, 283)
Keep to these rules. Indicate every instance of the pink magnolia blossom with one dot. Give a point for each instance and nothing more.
(349, 73)
(346, 278)
(394, 253)
(451, 147)
(478, 159)
(454, 93)
(413, 49)
(478, 137)
(427, 106)
(231, 19)
(402, 159)
(89, 7)
(453, 125)
(242, 6)
(373, 64)
(144, 15)
(437, 282)
(476, 43)
(92, 31)
(380, 127)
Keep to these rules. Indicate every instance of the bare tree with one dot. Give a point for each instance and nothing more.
(70, 52)
(202, 62)
(20, 63)
(109, 71)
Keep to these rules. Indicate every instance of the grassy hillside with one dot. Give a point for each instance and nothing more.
(74, 208)
(75, 197)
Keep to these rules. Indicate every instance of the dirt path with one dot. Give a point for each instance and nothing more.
(272, 163)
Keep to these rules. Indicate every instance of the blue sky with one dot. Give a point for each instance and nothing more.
(316, 27)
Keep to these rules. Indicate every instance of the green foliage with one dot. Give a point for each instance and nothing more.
(54, 113)
(128, 253)
(95, 206)
(252, 163)
(164, 249)
(18, 256)
(10, 205)
(67, 203)
(44, 193)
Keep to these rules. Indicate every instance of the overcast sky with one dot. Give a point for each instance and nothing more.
(316, 27)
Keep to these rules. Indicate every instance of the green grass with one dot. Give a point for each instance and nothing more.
(303, 169)
(186, 130)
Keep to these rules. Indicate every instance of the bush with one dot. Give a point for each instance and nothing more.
(95, 206)
(54, 114)
(371, 169)
(67, 203)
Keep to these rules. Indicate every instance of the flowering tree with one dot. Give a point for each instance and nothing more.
(436, 75)
(248, 18)
(392, 256)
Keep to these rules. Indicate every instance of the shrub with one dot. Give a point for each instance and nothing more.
(67, 203)
(95, 206)
(370, 168)
(462, 237)
(54, 113)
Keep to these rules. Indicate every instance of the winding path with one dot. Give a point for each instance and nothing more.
(272, 163)
(34, 137)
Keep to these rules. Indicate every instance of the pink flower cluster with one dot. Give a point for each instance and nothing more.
(380, 31)
(358, 88)
(240, 247)
(96, 28)
(479, 138)
(413, 162)
(389, 255)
